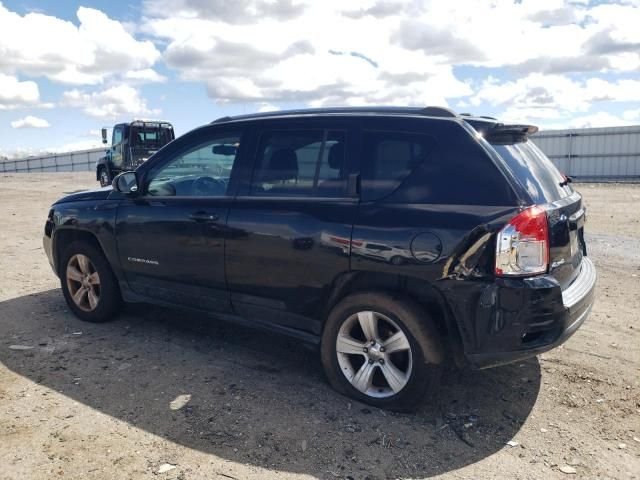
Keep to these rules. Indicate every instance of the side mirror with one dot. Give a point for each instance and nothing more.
(104, 135)
(126, 183)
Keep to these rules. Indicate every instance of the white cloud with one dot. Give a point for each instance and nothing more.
(42, 45)
(75, 146)
(295, 59)
(542, 98)
(147, 75)
(16, 94)
(404, 52)
(267, 107)
(391, 51)
(115, 102)
(235, 12)
(93, 132)
(19, 152)
(599, 119)
(30, 122)
(23, 152)
(632, 115)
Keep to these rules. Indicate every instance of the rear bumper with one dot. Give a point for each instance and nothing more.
(542, 324)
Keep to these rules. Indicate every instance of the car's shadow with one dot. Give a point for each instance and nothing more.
(256, 398)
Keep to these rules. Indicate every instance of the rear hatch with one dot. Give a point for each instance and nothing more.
(542, 184)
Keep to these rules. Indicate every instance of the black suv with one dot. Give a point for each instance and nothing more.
(395, 239)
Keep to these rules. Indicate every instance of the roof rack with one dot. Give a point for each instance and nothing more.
(148, 120)
(438, 112)
(430, 111)
(467, 114)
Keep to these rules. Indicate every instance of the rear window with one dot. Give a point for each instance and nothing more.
(538, 175)
(300, 163)
(389, 158)
(150, 137)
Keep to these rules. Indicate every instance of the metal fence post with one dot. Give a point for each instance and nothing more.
(569, 157)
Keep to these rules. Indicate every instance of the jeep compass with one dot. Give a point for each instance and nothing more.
(393, 239)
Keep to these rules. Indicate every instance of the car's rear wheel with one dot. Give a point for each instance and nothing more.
(370, 351)
(89, 286)
(105, 180)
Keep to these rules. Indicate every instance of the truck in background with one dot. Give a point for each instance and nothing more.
(131, 145)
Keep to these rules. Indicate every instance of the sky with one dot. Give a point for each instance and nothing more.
(68, 69)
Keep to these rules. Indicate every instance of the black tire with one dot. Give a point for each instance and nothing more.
(103, 175)
(427, 354)
(109, 301)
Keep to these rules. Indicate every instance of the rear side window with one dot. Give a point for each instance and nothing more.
(300, 163)
(388, 158)
(451, 168)
(537, 174)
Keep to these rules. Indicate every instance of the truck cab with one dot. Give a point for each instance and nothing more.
(131, 145)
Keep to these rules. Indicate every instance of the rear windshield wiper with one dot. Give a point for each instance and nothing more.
(567, 180)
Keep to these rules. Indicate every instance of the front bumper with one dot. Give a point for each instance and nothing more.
(541, 325)
(47, 244)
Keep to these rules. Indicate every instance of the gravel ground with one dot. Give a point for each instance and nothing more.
(94, 401)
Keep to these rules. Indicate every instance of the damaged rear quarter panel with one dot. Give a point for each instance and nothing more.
(492, 313)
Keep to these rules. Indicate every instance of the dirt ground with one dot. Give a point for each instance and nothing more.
(93, 401)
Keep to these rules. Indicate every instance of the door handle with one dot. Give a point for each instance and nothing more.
(204, 217)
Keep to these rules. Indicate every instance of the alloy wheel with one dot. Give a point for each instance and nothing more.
(83, 282)
(374, 354)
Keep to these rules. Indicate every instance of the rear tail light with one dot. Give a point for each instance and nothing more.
(522, 246)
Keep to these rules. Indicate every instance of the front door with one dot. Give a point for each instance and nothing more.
(117, 159)
(171, 238)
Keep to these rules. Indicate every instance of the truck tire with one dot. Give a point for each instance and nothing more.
(382, 350)
(103, 175)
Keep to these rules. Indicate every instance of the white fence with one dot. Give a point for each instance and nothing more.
(594, 154)
(80, 161)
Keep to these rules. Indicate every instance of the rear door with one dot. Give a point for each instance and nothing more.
(546, 186)
(290, 225)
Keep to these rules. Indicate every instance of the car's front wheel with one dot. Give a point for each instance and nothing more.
(89, 286)
(370, 351)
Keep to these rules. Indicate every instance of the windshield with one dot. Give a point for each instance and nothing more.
(151, 137)
(535, 171)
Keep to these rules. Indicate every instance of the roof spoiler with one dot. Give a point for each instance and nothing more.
(502, 133)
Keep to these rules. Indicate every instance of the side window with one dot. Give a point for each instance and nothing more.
(388, 158)
(202, 171)
(117, 135)
(300, 163)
